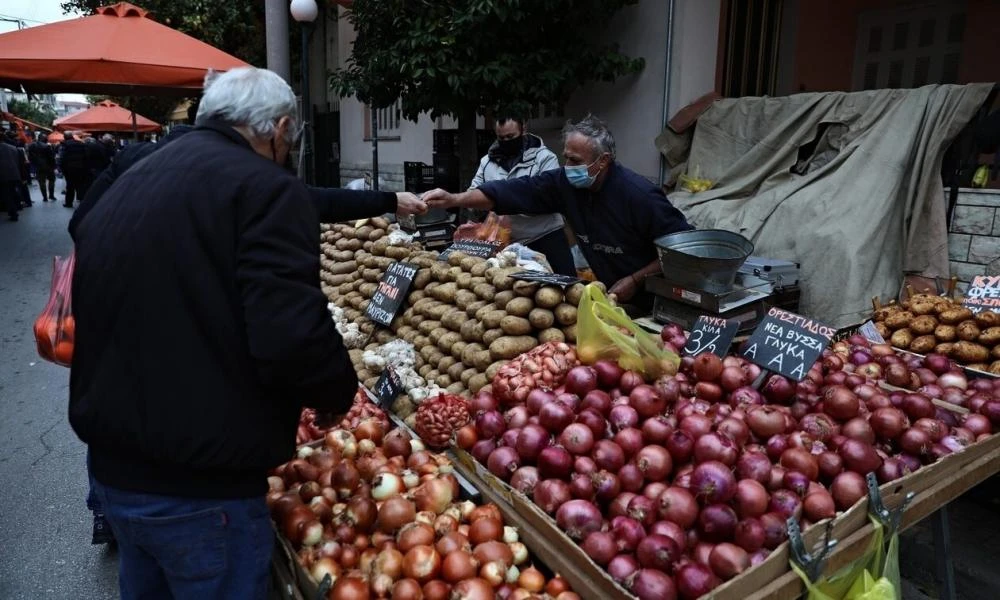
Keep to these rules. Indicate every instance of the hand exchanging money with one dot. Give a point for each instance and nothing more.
(408, 203)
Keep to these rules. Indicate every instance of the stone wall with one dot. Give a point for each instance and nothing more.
(391, 176)
(974, 238)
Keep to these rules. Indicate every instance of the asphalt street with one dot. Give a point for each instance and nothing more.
(45, 527)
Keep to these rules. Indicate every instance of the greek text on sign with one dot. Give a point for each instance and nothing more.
(391, 292)
(388, 388)
(787, 343)
(983, 294)
(711, 334)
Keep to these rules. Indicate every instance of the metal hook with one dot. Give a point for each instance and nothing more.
(890, 518)
(811, 564)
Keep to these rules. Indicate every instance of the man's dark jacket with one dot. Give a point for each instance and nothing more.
(201, 329)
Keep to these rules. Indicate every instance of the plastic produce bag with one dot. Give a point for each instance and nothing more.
(55, 327)
(605, 332)
(494, 229)
(529, 259)
(873, 576)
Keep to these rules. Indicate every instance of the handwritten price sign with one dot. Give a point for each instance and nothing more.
(983, 294)
(711, 334)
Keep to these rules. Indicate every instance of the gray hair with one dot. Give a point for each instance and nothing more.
(248, 97)
(594, 130)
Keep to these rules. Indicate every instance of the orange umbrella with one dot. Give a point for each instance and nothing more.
(119, 50)
(105, 116)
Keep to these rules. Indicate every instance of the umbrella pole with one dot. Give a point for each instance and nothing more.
(135, 128)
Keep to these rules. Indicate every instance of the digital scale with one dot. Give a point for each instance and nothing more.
(710, 272)
(434, 233)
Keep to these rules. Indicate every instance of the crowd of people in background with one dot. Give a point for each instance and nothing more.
(79, 158)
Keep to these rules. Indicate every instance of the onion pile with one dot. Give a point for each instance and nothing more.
(381, 517)
(678, 484)
(311, 428)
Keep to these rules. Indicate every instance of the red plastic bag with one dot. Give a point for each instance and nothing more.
(55, 327)
(494, 229)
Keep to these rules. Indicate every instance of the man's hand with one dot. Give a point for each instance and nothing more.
(625, 288)
(438, 198)
(408, 203)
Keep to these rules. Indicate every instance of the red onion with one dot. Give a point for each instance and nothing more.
(778, 390)
(915, 441)
(728, 560)
(745, 395)
(580, 486)
(622, 567)
(859, 456)
(619, 506)
(818, 425)
(680, 445)
(657, 552)
(840, 403)
(577, 438)
(630, 478)
(751, 498)
(765, 421)
(581, 380)
(754, 465)
(509, 437)
(888, 423)
(503, 461)
(830, 465)
(656, 430)
(799, 459)
(847, 488)
(598, 400)
(623, 416)
(952, 379)
(708, 391)
(647, 402)
(630, 441)
(600, 547)
(917, 406)
(786, 503)
(713, 446)
(571, 401)
(669, 388)
(490, 424)
(555, 416)
(897, 374)
(608, 455)
(735, 429)
(819, 505)
(643, 510)
(934, 428)
(775, 529)
(712, 482)
(482, 449)
(524, 480)
(717, 522)
(777, 480)
(671, 530)
(531, 441)
(892, 469)
(516, 417)
(578, 518)
(593, 420)
(707, 367)
(977, 424)
(629, 381)
(551, 494)
(585, 465)
(991, 410)
(733, 378)
(606, 486)
(910, 462)
(555, 463)
(627, 533)
(654, 462)
(859, 429)
(749, 535)
(482, 402)
(679, 506)
(652, 584)
(608, 373)
(696, 425)
(695, 580)
(537, 398)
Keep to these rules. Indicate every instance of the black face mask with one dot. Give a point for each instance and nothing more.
(511, 147)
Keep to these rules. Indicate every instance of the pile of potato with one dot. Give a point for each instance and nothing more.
(927, 323)
(464, 317)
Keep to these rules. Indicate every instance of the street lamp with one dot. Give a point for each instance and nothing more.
(305, 12)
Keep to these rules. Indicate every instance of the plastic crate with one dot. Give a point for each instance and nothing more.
(418, 177)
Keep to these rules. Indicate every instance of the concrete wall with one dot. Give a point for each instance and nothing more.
(974, 239)
(632, 106)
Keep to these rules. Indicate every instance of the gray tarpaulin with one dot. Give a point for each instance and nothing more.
(847, 184)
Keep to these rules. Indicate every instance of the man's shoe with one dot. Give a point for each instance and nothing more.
(102, 531)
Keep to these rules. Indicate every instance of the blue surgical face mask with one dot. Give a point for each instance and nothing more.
(579, 175)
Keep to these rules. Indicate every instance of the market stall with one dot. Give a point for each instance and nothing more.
(674, 464)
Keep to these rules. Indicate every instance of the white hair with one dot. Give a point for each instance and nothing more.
(248, 97)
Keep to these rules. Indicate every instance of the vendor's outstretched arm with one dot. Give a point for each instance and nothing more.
(438, 198)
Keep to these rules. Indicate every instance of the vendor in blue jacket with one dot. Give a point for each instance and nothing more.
(615, 213)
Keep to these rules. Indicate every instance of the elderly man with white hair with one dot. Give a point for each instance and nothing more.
(201, 332)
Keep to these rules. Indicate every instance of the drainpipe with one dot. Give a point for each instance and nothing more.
(666, 79)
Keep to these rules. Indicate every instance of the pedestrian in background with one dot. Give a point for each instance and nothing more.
(10, 176)
(42, 156)
(75, 168)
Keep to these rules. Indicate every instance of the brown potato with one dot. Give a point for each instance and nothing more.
(901, 338)
(995, 352)
(883, 331)
(988, 318)
(922, 307)
(955, 316)
(945, 348)
(945, 333)
(968, 331)
(923, 324)
(995, 367)
(899, 320)
(968, 352)
(923, 344)
(978, 366)
(990, 337)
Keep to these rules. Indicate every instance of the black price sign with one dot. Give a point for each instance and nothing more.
(479, 248)
(983, 294)
(787, 343)
(388, 388)
(546, 278)
(391, 293)
(711, 334)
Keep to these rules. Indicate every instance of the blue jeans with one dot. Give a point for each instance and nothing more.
(179, 548)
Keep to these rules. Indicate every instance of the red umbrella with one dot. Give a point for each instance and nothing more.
(105, 116)
(119, 50)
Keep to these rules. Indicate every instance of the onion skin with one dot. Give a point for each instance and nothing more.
(652, 584)
(694, 580)
(847, 488)
(728, 560)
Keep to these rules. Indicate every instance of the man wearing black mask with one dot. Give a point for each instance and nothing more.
(517, 153)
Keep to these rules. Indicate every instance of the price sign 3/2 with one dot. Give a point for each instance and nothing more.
(711, 334)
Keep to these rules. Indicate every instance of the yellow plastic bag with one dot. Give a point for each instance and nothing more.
(605, 332)
(873, 576)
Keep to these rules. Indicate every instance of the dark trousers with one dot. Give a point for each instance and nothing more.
(556, 249)
(77, 184)
(10, 198)
(45, 177)
(173, 548)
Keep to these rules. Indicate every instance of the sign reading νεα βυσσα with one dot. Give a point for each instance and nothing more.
(388, 388)
(480, 248)
(711, 334)
(546, 278)
(787, 343)
(391, 292)
(983, 294)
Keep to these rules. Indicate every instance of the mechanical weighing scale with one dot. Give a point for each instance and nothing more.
(711, 272)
